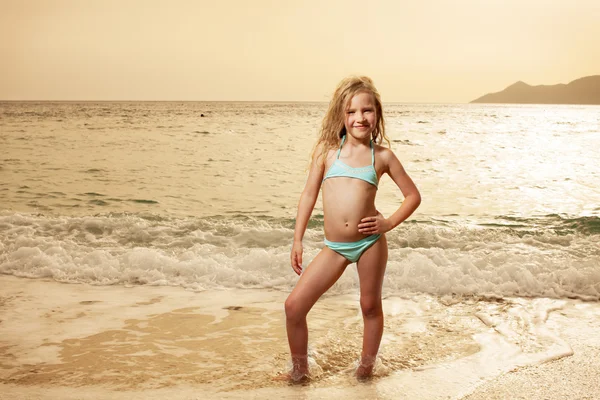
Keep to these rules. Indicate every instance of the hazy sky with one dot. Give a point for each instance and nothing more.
(416, 51)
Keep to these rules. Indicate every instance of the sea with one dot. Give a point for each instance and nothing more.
(201, 197)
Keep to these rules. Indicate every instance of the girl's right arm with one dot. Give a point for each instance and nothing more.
(306, 206)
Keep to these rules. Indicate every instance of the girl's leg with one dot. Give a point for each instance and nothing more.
(371, 269)
(324, 270)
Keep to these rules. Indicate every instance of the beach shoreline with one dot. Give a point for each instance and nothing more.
(78, 341)
(573, 377)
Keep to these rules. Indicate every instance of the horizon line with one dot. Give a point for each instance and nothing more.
(211, 101)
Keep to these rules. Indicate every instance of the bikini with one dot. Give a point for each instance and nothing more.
(353, 250)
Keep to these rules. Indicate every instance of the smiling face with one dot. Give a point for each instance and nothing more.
(360, 118)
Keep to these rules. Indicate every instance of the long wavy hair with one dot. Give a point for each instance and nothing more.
(333, 129)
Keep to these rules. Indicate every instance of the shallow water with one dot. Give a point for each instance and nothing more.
(231, 344)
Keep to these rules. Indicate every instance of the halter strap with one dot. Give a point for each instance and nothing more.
(341, 144)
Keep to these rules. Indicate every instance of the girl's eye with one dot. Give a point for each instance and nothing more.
(350, 112)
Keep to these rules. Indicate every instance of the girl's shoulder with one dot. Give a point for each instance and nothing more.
(384, 153)
(322, 154)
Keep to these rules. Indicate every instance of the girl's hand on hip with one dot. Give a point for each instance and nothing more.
(296, 257)
(374, 225)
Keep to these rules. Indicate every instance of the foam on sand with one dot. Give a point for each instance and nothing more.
(81, 341)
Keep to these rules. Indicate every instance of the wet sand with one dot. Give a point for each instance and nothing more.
(98, 342)
(574, 377)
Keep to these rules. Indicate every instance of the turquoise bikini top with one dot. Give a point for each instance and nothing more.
(367, 174)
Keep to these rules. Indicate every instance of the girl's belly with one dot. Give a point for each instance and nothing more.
(345, 202)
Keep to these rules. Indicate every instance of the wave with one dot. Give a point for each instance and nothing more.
(508, 258)
(561, 225)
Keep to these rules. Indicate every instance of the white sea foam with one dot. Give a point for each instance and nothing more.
(202, 254)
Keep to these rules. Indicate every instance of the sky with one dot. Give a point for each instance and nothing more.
(421, 51)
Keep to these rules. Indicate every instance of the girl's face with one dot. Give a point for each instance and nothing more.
(361, 116)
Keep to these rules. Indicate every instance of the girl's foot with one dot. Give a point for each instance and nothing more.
(291, 377)
(299, 372)
(365, 368)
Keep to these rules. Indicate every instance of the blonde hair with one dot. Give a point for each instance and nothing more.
(333, 128)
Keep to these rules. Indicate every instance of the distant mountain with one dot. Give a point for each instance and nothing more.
(580, 91)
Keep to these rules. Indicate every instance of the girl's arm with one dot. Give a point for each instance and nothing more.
(412, 198)
(306, 205)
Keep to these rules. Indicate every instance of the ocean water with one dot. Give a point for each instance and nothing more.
(154, 193)
(202, 197)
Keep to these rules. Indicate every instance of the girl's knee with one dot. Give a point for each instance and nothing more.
(371, 306)
(293, 309)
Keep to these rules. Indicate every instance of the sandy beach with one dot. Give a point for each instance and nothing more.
(573, 377)
(98, 342)
(58, 337)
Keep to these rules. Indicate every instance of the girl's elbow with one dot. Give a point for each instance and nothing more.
(417, 199)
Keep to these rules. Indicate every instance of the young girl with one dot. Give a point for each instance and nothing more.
(347, 163)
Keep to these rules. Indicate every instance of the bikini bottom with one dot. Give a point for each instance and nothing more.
(352, 250)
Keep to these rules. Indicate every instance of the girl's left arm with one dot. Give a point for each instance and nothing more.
(412, 198)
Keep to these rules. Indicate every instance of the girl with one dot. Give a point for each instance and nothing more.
(347, 162)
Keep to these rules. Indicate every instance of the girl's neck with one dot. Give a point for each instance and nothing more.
(352, 141)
